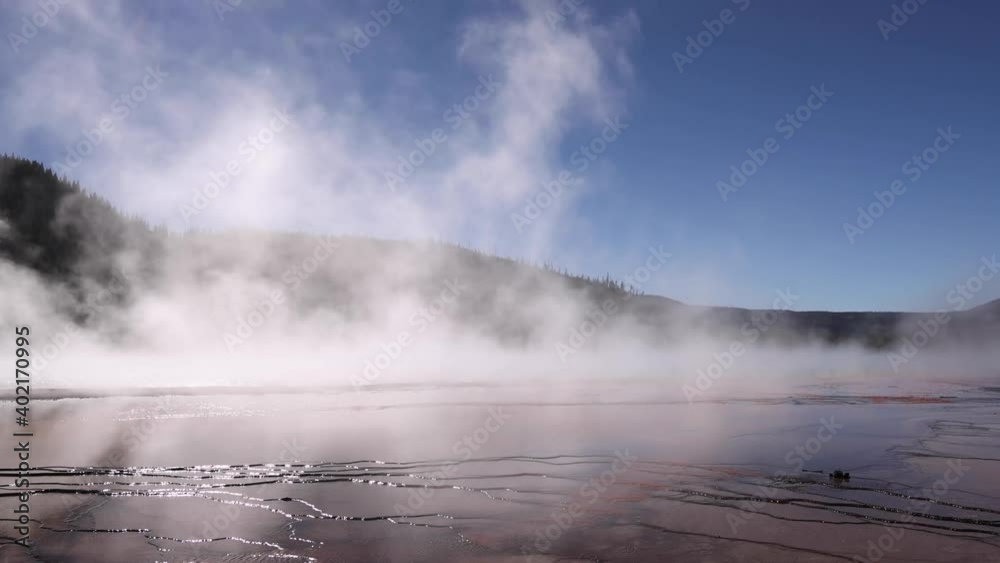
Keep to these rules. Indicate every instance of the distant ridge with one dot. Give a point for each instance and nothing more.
(992, 305)
(72, 238)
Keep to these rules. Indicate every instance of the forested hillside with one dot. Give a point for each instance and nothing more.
(75, 239)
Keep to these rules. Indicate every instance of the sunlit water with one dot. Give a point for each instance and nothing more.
(587, 473)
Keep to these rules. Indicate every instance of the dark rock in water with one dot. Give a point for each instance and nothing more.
(839, 475)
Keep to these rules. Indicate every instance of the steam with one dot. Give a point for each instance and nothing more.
(199, 149)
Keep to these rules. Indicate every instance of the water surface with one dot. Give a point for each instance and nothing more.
(586, 472)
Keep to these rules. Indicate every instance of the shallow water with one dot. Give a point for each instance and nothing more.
(587, 472)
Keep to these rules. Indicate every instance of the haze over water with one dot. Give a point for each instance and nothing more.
(490, 473)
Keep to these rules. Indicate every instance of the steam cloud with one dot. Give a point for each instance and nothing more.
(249, 150)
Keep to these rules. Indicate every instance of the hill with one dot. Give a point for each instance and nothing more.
(76, 241)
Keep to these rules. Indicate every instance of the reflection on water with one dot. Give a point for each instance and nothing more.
(488, 476)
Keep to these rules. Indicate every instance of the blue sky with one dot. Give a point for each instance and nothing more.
(223, 74)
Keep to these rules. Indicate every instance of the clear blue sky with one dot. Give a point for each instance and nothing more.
(656, 184)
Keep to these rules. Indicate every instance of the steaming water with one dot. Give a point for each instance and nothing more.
(583, 473)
